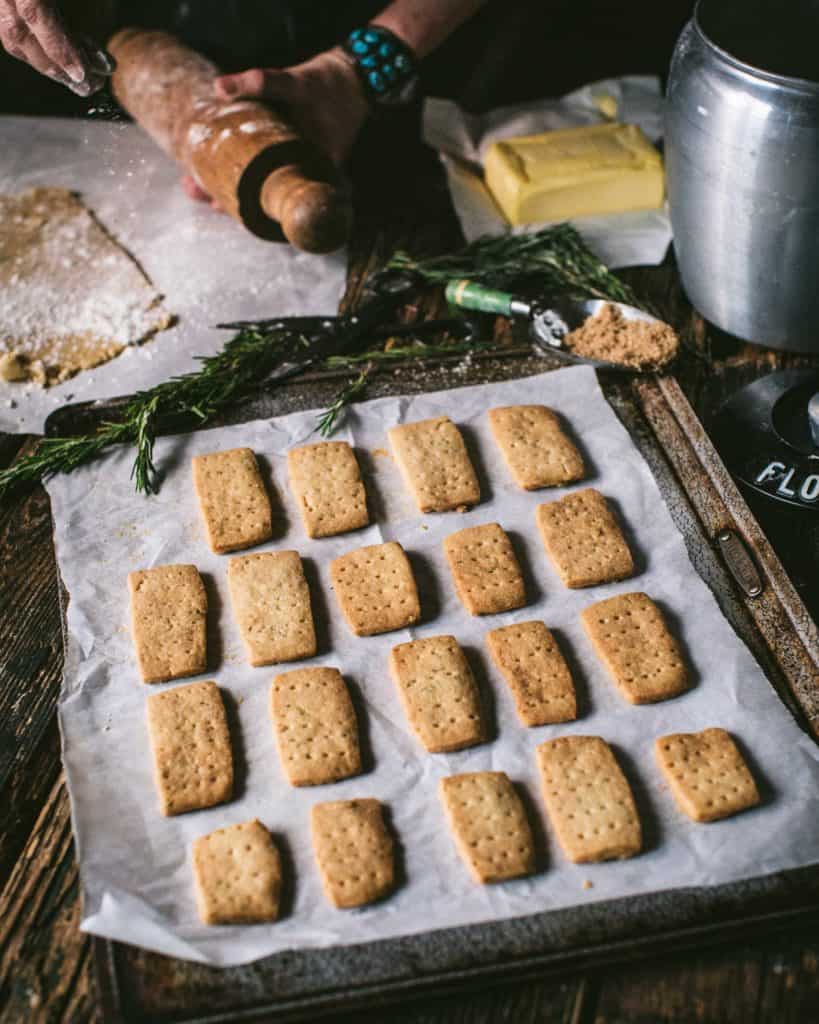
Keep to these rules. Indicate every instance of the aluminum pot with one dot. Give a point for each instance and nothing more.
(742, 160)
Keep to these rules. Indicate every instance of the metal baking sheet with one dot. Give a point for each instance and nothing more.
(305, 982)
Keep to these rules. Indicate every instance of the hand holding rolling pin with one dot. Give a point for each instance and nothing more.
(330, 96)
(264, 145)
(32, 31)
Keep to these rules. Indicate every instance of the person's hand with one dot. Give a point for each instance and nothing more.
(32, 31)
(322, 97)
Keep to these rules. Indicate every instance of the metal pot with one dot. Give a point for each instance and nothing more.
(742, 159)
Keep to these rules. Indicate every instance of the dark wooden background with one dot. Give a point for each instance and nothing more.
(46, 968)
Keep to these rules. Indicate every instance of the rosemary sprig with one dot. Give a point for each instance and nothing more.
(555, 260)
(59, 454)
(242, 365)
(328, 421)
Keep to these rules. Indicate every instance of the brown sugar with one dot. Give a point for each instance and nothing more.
(608, 335)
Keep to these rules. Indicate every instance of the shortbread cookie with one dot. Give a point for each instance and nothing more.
(238, 875)
(438, 692)
(633, 642)
(583, 540)
(535, 448)
(485, 570)
(168, 620)
(490, 826)
(588, 799)
(706, 773)
(233, 499)
(354, 851)
(535, 671)
(375, 589)
(326, 482)
(435, 463)
(315, 726)
(271, 602)
(193, 760)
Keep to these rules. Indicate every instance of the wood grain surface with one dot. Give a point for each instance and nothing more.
(46, 964)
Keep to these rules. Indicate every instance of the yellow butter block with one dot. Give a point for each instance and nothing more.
(574, 172)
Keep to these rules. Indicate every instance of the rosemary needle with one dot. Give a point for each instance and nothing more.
(328, 421)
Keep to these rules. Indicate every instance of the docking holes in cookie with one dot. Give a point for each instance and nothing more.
(588, 799)
(326, 482)
(534, 447)
(375, 589)
(233, 499)
(632, 640)
(706, 773)
(433, 459)
(489, 824)
(238, 875)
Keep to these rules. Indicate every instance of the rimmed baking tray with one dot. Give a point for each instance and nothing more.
(138, 985)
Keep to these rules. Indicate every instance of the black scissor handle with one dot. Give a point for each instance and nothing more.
(393, 282)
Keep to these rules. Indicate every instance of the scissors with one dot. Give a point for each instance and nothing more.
(311, 339)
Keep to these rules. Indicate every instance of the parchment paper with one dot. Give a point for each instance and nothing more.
(134, 863)
(620, 240)
(209, 268)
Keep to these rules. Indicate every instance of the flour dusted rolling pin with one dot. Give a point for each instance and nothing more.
(249, 158)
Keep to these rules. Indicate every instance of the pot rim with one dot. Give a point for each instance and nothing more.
(793, 81)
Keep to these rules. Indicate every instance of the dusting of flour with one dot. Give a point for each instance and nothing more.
(70, 296)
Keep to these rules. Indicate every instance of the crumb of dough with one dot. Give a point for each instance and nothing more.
(608, 335)
(13, 366)
(588, 884)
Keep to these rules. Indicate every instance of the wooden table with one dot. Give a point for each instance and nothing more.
(46, 966)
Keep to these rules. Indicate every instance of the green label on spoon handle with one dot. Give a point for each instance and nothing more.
(469, 295)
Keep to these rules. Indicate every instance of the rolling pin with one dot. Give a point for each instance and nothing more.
(248, 157)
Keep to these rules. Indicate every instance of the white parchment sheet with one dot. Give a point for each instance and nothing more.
(134, 863)
(208, 267)
(619, 239)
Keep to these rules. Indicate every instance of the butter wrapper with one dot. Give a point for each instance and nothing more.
(463, 140)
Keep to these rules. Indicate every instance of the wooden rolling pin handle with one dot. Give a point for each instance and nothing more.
(315, 216)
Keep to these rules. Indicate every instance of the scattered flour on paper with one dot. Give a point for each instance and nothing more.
(72, 297)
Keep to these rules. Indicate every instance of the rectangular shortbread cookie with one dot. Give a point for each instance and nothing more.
(707, 774)
(315, 725)
(238, 875)
(485, 570)
(433, 458)
(583, 540)
(326, 482)
(375, 589)
(633, 642)
(535, 671)
(193, 760)
(168, 620)
(354, 851)
(438, 692)
(271, 602)
(233, 499)
(588, 799)
(535, 448)
(490, 826)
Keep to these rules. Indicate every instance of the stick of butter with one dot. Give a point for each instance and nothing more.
(574, 172)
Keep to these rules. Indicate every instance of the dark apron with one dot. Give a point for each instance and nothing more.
(239, 34)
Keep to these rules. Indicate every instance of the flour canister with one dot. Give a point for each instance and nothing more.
(742, 159)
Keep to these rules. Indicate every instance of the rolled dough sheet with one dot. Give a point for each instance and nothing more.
(72, 297)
